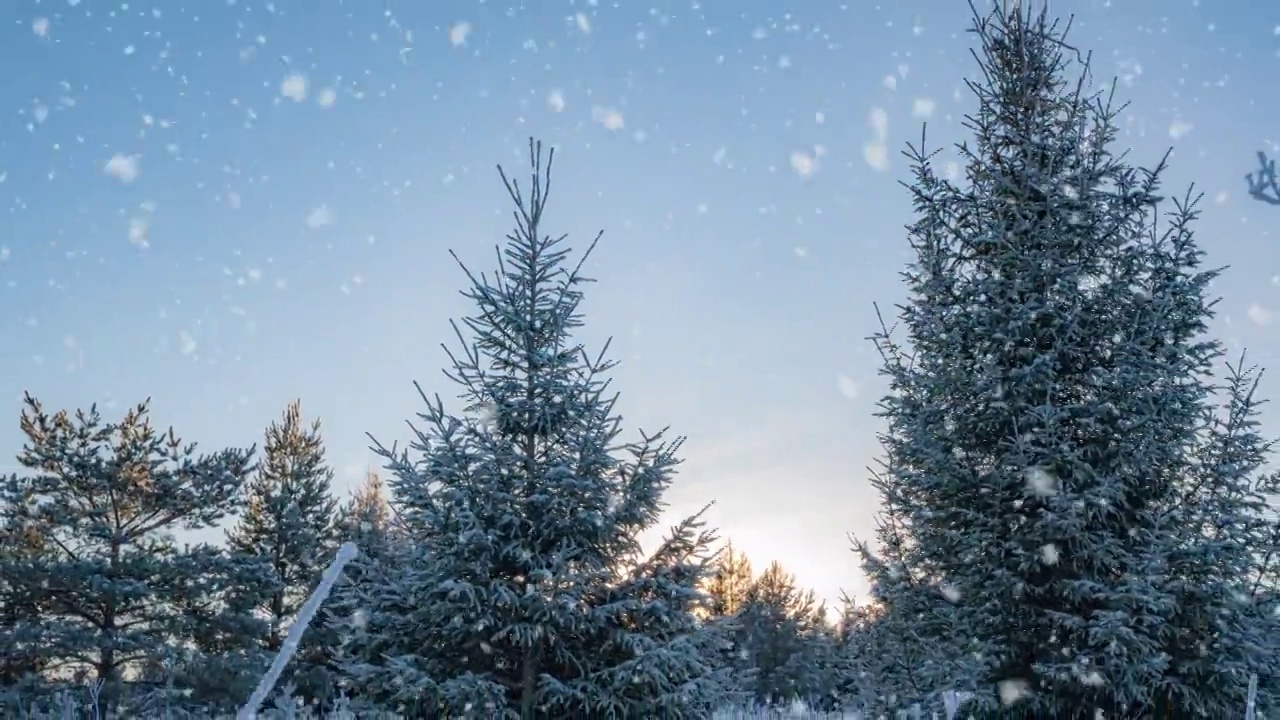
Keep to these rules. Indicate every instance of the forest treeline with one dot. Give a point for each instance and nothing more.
(1075, 493)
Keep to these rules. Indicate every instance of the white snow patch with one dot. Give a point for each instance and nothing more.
(122, 167)
(294, 87)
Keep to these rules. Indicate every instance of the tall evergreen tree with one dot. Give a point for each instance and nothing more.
(729, 583)
(520, 587)
(1226, 626)
(105, 499)
(289, 525)
(776, 617)
(21, 542)
(1043, 411)
(727, 586)
(290, 517)
(366, 518)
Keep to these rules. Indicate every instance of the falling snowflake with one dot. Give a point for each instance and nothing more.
(294, 87)
(326, 98)
(458, 33)
(583, 23)
(1041, 482)
(1179, 128)
(1260, 315)
(608, 117)
(848, 387)
(878, 119)
(950, 592)
(1049, 553)
(40, 26)
(1093, 679)
(122, 167)
(555, 101)
(319, 217)
(804, 164)
(923, 108)
(876, 154)
(138, 232)
(1013, 691)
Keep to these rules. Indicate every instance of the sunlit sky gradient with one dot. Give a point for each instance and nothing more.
(288, 239)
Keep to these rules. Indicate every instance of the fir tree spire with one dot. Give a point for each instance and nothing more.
(289, 519)
(1045, 400)
(519, 586)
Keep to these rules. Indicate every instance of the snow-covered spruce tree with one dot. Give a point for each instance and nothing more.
(365, 519)
(1226, 627)
(1042, 411)
(21, 606)
(774, 617)
(904, 647)
(106, 499)
(727, 586)
(220, 657)
(519, 588)
(290, 525)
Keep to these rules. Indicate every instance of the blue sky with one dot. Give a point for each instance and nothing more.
(227, 204)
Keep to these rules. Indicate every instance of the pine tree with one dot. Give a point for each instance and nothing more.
(1226, 627)
(775, 616)
(21, 606)
(519, 587)
(727, 586)
(106, 498)
(1041, 412)
(729, 582)
(290, 525)
(366, 518)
